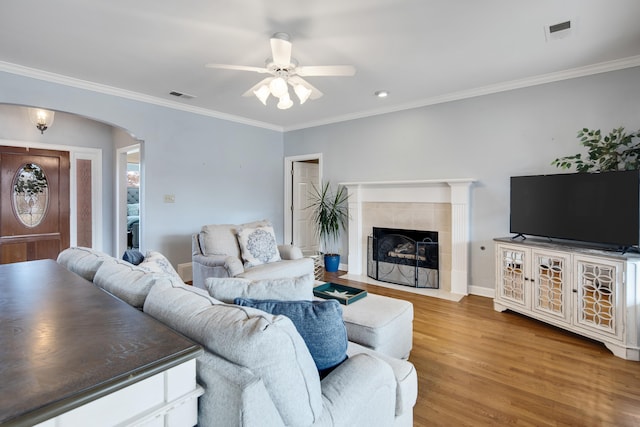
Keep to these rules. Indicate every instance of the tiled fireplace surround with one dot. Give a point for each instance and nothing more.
(431, 205)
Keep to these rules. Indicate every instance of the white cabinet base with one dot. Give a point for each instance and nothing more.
(590, 292)
(167, 399)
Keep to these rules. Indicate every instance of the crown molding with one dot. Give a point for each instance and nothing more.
(123, 93)
(602, 67)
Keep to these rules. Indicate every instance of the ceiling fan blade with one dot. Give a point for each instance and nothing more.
(326, 70)
(255, 87)
(261, 70)
(281, 49)
(315, 93)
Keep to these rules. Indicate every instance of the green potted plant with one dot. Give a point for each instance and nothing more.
(329, 214)
(614, 152)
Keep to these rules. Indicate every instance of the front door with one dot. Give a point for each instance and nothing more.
(34, 204)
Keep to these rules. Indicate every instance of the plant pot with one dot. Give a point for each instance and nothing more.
(331, 262)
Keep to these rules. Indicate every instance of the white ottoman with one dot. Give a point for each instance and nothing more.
(381, 323)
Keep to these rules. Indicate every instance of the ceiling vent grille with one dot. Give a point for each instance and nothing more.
(181, 95)
(560, 27)
(558, 31)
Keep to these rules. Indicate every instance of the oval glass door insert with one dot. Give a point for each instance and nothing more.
(30, 195)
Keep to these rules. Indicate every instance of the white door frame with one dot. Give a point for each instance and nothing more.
(120, 239)
(288, 190)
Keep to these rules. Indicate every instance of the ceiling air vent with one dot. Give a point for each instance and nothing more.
(558, 31)
(181, 95)
(560, 27)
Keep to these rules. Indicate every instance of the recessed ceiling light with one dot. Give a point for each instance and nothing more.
(381, 93)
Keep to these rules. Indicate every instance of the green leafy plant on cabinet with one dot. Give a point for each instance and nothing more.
(613, 152)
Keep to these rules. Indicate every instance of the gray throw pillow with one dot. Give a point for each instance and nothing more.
(318, 322)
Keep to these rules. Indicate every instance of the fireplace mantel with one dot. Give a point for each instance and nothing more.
(456, 192)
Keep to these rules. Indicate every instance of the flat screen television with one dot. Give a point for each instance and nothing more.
(601, 208)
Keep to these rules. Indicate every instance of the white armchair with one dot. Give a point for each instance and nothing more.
(216, 252)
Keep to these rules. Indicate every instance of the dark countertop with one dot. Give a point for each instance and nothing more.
(65, 342)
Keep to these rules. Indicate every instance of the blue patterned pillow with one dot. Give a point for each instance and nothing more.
(258, 245)
(318, 322)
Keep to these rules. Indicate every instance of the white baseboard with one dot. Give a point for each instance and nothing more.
(482, 291)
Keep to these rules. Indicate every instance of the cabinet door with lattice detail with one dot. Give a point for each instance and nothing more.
(513, 274)
(550, 273)
(599, 290)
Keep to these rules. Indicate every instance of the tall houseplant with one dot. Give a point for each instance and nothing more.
(330, 215)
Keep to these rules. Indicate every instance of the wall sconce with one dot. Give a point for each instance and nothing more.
(42, 119)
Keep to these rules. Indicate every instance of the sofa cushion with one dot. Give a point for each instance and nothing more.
(319, 323)
(258, 245)
(128, 282)
(220, 239)
(290, 289)
(84, 262)
(275, 270)
(267, 345)
(155, 262)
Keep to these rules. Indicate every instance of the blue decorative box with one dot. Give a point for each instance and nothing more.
(344, 294)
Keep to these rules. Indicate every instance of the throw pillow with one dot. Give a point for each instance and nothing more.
(133, 256)
(318, 322)
(155, 262)
(226, 289)
(258, 245)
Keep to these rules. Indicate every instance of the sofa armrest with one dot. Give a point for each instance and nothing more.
(233, 395)
(214, 266)
(290, 252)
(360, 392)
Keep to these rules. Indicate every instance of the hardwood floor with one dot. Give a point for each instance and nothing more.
(479, 367)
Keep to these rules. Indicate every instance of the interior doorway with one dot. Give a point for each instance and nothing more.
(130, 201)
(301, 174)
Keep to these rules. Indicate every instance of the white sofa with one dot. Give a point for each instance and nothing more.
(217, 253)
(256, 369)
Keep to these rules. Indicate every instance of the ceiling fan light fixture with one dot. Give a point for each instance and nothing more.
(262, 93)
(278, 87)
(302, 92)
(285, 102)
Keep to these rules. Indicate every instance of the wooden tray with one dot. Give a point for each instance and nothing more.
(344, 294)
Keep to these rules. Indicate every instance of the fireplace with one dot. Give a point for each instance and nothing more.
(442, 205)
(403, 257)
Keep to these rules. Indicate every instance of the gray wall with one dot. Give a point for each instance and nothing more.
(488, 138)
(222, 171)
(219, 171)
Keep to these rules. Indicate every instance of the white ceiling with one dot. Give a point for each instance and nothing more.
(421, 51)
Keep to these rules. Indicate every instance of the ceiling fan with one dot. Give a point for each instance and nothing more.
(284, 72)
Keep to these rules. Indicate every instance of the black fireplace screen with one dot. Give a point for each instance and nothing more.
(403, 257)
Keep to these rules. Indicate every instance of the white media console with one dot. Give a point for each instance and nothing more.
(594, 293)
